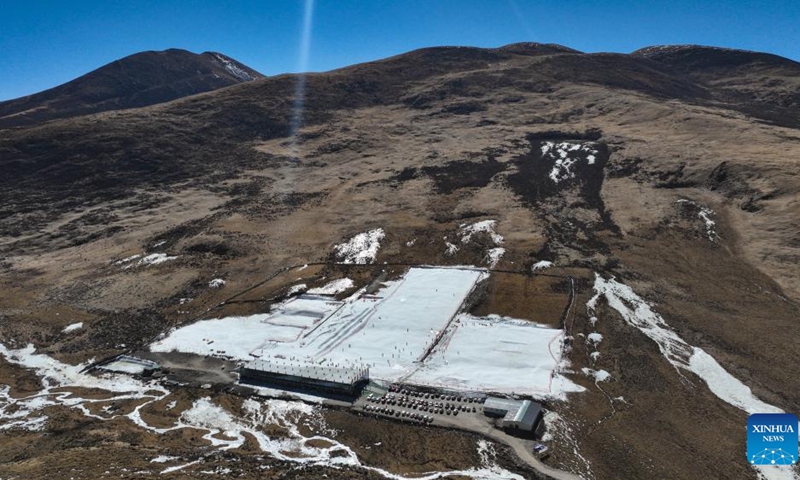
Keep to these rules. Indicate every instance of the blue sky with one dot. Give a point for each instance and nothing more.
(46, 43)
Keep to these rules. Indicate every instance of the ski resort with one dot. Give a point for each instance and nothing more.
(429, 241)
(413, 330)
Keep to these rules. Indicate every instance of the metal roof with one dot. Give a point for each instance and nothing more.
(527, 414)
(522, 412)
(312, 371)
(506, 404)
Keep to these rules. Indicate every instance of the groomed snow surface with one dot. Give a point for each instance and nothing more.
(387, 331)
(390, 332)
(237, 337)
(496, 354)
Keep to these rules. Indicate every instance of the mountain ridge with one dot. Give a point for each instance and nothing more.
(138, 80)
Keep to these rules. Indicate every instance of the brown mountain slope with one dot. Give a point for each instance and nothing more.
(764, 85)
(419, 144)
(138, 80)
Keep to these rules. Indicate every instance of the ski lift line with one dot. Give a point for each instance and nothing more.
(444, 329)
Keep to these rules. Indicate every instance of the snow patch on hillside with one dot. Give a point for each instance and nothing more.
(164, 459)
(155, 259)
(636, 312)
(332, 288)
(707, 216)
(680, 354)
(127, 259)
(599, 375)
(541, 265)
(452, 249)
(494, 255)
(152, 259)
(725, 386)
(73, 327)
(489, 467)
(362, 248)
(234, 69)
(565, 155)
(485, 226)
(557, 428)
(27, 413)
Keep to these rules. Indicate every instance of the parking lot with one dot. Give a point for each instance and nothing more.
(414, 405)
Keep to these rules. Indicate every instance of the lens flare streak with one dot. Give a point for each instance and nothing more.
(302, 66)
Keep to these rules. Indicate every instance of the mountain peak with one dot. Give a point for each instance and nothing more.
(535, 48)
(138, 80)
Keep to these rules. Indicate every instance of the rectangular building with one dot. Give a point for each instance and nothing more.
(330, 380)
(516, 414)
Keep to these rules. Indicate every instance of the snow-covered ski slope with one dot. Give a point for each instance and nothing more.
(392, 332)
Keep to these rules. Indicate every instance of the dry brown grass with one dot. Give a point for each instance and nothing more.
(536, 298)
